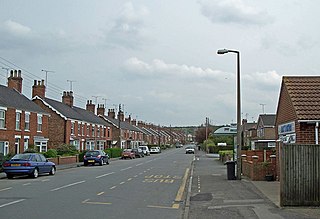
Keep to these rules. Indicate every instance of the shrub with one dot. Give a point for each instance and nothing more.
(81, 154)
(114, 152)
(66, 149)
(31, 150)
(225, 152)
(51, 153)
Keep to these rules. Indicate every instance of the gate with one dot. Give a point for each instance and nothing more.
(300, 175)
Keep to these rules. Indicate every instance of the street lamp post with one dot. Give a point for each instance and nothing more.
(224, 51)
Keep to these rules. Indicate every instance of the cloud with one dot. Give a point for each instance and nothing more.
(263, 80)
(16, 29)
(128, 29)
(159, 68)
(233, 11)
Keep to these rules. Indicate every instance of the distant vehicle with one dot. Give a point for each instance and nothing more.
(31, 164)
(128, 153)
(189, 150)
(154, 150)
(95, 156)
(179, 145)
(159, 149)
(138, 152)
(145, 150)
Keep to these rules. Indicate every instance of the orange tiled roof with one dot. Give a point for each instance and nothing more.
(305, 95)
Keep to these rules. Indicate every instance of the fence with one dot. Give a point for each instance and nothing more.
(300, 171)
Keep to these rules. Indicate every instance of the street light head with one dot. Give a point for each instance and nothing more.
(222, 51)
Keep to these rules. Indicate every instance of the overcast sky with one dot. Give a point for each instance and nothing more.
(159, 58)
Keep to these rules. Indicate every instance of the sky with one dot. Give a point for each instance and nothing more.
(158, 59)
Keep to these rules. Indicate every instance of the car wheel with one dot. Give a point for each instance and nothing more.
(85, 164)
(108, 162)
(35, 173)
(9, 176)
(101, 162)
(52, 171)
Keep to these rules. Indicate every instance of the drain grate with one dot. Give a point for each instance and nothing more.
(201, 197)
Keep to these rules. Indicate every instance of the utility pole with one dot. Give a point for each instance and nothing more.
(207, 121)
(119, 123)
(47, 71)
(70, 81)
(105, 102)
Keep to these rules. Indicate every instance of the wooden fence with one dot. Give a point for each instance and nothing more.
(300, 175)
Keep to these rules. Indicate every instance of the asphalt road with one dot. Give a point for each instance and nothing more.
(149, 187)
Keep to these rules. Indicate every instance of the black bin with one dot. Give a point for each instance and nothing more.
(231, 170)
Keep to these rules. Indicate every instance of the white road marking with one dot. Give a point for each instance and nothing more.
(62, 187)
(5, 189)
(113, 187)
(26, 184)
(107, 174)
(139, 164)
(11, 203)
(100, 193)
(126, 168)
(122, 183)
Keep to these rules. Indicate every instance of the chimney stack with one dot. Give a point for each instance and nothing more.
(101, 109)
(38, 89)
(90, 106)
(67, 98)
(15, 80)
(111, 113)
(121, 115)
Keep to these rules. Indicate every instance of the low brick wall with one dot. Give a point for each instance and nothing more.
(257, 170)
(65, 160)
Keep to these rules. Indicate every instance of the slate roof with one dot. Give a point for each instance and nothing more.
(123, 124)
(268, 120)
(74, 112)
(13, 99)
(304, 93)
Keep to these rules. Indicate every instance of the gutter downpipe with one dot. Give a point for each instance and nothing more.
(317, 132)
(316, 128)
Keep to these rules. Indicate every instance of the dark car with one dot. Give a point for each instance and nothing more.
(95, 156)
(31, 164)
(138, 152)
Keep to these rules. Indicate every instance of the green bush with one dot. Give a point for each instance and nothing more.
(51, 153)
(67, 150)
(81, 154)
(114, 152)
(225, 152)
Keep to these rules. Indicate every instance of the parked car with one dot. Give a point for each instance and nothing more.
(31, 164)
(179, 145)
(159, 149)
(154, 150)
(128, 153)
(189, 150)
(95, 156)
(145, 150)
(138, 152)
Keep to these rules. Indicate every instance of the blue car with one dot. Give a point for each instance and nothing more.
(31, 164)
(95, 156)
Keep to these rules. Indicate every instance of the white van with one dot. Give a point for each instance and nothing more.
(145, 150)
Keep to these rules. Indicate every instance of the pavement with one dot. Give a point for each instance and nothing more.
(211, 195)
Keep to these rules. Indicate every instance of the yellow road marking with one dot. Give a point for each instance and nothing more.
(164, 207)
(176, 206)
(182, 186)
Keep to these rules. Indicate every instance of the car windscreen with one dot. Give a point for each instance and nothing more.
(92, 153)
(21, 157)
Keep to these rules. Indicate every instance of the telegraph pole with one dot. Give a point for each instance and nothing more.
(262, 105)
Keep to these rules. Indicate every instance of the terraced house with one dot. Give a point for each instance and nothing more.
(22, 122)
(69, 124)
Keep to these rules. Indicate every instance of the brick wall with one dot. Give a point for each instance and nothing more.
(10, 132)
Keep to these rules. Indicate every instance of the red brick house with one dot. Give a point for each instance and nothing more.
(22, 122)
(72, 125)
(265, 139)
(298, 112)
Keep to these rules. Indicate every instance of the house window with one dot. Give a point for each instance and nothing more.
(108, 132)
(79, 128)
(90, 145)
(26, 143)
(2, 119)
(82, 129)
(98, 132)
(72, 128)
(76, 144)
(39, 126)
(100, 145)
(41, 146)
(93, 129)
(27, 121)
(4, 147)
(18, 120)
(88, 130)
(17, 145)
